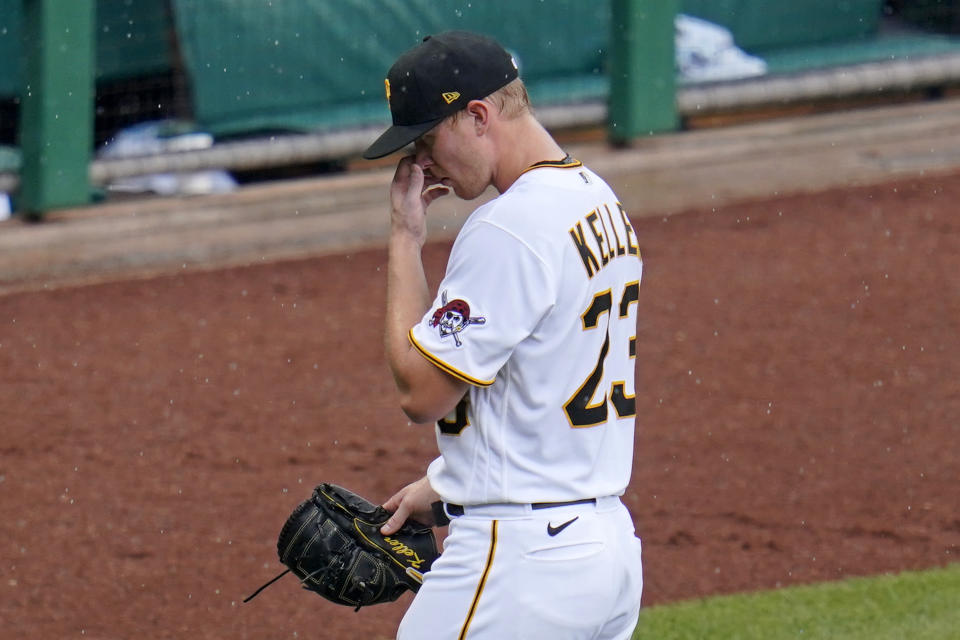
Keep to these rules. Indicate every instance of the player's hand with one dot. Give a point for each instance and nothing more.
(411, 193)
(413, 501)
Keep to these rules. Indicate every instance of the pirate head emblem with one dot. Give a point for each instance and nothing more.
(453, 317)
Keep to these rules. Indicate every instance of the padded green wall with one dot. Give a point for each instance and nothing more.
(132, 38)
(258, 65)
(758, 25)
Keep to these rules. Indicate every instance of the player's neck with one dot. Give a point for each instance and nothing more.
(523, 142)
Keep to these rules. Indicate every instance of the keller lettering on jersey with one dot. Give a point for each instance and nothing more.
(602, 236)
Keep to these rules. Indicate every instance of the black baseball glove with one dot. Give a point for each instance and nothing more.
(332, 542)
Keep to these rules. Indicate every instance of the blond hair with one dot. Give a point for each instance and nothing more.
(511, 100)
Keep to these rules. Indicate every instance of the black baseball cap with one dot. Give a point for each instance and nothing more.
(436, 79)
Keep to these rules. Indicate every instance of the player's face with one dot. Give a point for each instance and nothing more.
(449, 154)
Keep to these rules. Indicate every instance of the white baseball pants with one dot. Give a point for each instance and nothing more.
(511, 572)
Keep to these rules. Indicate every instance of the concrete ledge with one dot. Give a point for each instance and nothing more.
(660, 175)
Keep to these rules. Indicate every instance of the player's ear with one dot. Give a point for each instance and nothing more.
(479, 112)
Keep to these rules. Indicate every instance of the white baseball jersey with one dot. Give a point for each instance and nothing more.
(537, 311)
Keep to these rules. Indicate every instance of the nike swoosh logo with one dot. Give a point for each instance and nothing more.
(554, 530)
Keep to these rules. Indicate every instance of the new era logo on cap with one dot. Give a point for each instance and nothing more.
(436, 79)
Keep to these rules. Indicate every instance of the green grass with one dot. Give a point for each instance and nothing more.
(914, 605)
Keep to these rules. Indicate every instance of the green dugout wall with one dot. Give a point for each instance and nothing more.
(263, 66)
(130, 38)
(323, 64)
(54, 52)
(257, 65)
(56, 107)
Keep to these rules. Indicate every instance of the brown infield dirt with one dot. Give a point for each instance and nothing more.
(798, 402)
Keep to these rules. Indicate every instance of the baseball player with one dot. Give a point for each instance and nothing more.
(524, 358)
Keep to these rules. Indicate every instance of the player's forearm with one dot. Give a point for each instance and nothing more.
(408, 298)
(426, 392)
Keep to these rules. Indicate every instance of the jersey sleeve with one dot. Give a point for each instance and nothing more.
(495, 292)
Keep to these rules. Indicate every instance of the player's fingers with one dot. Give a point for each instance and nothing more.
(417, 178)
(394, 501)
(433, 192)
(393, 524)
(408, 183)
(403, 176)
(403, 167)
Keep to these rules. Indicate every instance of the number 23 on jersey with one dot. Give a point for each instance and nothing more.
(581, 409)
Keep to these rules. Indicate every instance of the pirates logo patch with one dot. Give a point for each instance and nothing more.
(453, 317)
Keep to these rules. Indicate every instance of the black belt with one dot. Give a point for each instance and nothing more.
(456, 510)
